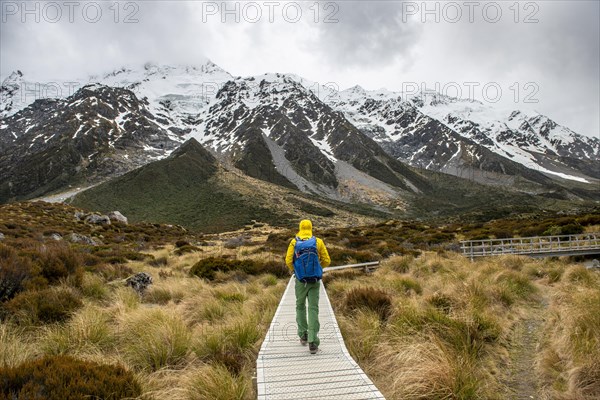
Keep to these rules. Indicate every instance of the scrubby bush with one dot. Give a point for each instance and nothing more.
(342, 256)
(571, 229)
(207, 267)
(59, 261)
(186, 249)
(66, 378)
(371, 298)
(591, 219)
(181, 243)
(346, 274)
(14, 272)
(45, 306)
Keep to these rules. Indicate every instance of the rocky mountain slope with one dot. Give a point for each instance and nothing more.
(470, 139)
(191, 188)
(97, 133)
(354, 145)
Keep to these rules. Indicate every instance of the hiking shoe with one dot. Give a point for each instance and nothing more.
(313, 348)
(304, 339)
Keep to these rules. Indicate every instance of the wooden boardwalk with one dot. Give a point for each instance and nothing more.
(538, 246)
(286, 370)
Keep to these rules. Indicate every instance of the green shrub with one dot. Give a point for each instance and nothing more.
(207, 267)
(187, 249)
(181, 243)
(45, 306)
(14, 272)
(571, 229)
(343, 256)
(59, 261)
(371, 298)
(66, 378)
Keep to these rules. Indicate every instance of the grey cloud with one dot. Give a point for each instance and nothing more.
(367, 33)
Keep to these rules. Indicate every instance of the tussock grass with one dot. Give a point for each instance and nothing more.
(232, 345)
(153, 339)
(363, 329)
(398, 263)
(570, 362)
(216, 382)
(449, 330)
(88, 331)
(125, 299)
(94, 287)
(14, 350)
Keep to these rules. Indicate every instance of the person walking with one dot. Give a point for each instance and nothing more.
(306, 257)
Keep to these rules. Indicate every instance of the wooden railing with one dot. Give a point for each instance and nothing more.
(366, 266)
(537, 246)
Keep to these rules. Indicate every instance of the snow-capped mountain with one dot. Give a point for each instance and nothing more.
(348, 145)
(452, 135)
(273, 128)
(97, 133)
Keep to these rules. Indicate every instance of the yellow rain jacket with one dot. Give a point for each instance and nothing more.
(305, 232)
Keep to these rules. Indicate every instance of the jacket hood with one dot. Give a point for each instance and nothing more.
(305, 229)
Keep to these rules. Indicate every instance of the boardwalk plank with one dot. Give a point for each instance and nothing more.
(286, 370)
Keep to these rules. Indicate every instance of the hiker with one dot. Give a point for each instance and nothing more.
(306, 257)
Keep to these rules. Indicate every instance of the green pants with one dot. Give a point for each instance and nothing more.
(310, 290)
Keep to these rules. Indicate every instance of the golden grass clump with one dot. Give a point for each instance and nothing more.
(154, 338)
(13, 348)
(232, 345)
(88, 331)
(216, 382)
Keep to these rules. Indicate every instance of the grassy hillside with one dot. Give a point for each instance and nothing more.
(190, 189)
(448, 327)
(499, 328)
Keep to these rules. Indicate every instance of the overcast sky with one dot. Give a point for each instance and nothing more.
(542, 55)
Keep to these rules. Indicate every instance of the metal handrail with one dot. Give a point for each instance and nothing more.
(366, 264)
(583, 242)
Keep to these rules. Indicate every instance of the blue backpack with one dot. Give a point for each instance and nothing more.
(307, 267)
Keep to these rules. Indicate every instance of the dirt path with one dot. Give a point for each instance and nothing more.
(522, 380)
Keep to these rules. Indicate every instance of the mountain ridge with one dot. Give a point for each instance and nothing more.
(293, 132)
